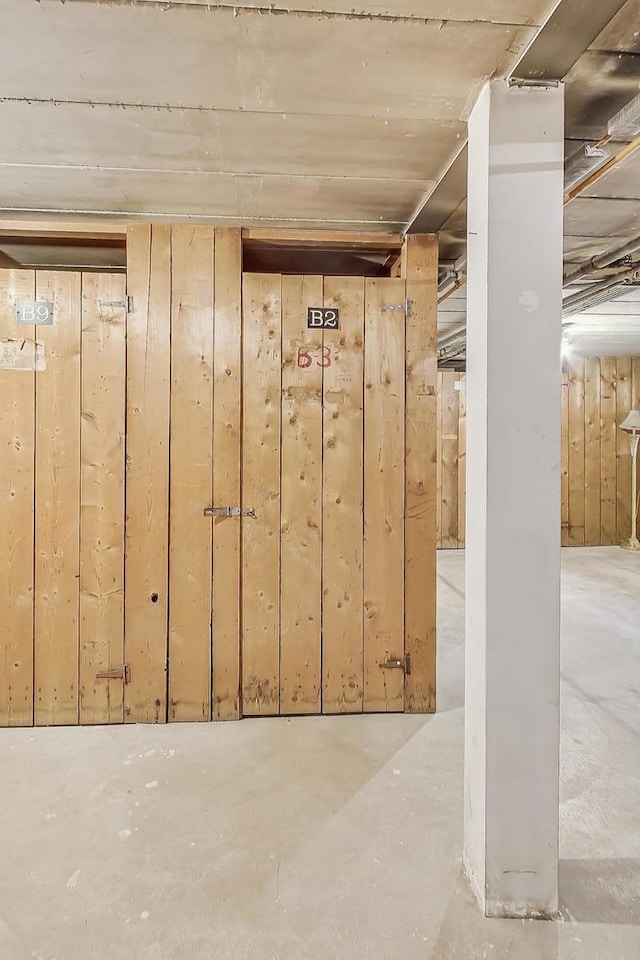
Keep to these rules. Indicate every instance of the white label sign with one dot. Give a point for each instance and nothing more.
(35, 311)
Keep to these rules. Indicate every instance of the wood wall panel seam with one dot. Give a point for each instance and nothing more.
(419, 267)
(190, 473)
(147, 479)
(57, 516)
(301, 499)
(596, 393)
(342, 501)
(102, 498)
(226, 616)
(261, 443)
(17, 493)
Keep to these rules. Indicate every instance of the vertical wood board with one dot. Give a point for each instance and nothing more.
(384, 493)
(576, 452)
(147, 476)
(57, 505)
(102, 498)
(440, 388)
(227, 376)
(17, 426)
(608, 462)
(462, 459)
(450, 418)
(592, 453)
(261, 307)
(191, 444)
(420, 267)
(342, 499)
(623, 448)
(564, 461)
(301, 506)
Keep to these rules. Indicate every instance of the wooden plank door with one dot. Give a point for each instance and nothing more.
(323, 454)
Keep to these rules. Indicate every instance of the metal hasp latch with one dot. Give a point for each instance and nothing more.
(118, 673)
(398, 663)
(126, 304)
(229, 512)
(405, 307)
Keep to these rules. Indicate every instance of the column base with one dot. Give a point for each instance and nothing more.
(632, 544)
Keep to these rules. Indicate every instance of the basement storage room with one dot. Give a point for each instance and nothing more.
(222, 483)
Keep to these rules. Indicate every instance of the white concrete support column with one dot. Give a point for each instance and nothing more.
(513, 498)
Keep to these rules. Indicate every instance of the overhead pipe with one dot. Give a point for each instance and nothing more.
(604, 260)
(579, 301)
(454, 334)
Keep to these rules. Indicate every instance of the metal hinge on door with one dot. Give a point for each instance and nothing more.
(404, 307)
(126, 304)
(229, 512)
(118, 673)
(398, 663)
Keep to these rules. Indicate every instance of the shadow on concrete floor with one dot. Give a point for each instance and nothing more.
(600, 891)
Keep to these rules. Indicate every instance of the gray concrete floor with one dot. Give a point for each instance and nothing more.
(325, 837)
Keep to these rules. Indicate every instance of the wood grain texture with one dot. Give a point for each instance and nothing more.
(147, 477)
(301, 504)
(227, 374)
(441, 390)
(608, 460)
(191, 445)
(102, 440)
(450, 420)
(564, 461)
(17, 436)
(623, 449)
(384, 493)
(595, 475)
(57, 505)
(451, 457)
(576, 452)
(462, 458)
(261, 301)
(420, 270)
(592, 433)
(342, 499)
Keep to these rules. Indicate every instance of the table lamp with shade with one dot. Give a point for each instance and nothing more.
(632, 424)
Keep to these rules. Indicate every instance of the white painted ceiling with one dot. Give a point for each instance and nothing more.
(337, 119)
(306, 113)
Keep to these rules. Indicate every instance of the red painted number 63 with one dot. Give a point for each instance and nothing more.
(305, 359)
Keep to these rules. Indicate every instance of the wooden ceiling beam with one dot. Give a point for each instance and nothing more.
(325, 240)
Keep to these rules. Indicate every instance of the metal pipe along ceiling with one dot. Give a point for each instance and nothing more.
(581, 299)
(604, 260)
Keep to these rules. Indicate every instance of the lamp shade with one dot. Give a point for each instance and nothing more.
(632, 421)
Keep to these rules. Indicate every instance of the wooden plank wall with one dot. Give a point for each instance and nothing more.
(91, 578)
(112, 448)
(597, 394)
(450, 432)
